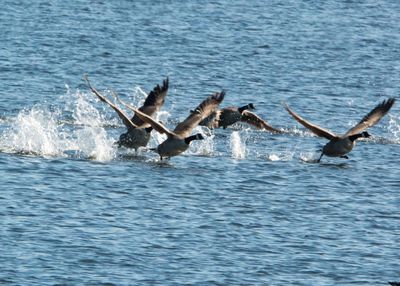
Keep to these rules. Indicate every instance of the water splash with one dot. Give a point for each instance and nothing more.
(91, 138)
(281, 156)
(394, 128)
(203, 147)
(156, 137)
(274, 157)
(42, 132)
(299, 132)
(34, 131)
(237, 145)
(138, 96)
(309, 157)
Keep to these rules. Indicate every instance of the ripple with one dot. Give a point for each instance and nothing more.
(242, 207)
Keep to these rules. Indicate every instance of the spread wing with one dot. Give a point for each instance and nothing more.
(154, 101)
(314, 128)
(372, 117)
(149, 120)
(125, 119)
(256, 121)
(202, 111)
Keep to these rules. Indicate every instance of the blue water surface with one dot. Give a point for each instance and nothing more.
(243, 207)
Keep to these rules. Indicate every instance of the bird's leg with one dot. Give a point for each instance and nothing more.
(344, 156)
(322, 154)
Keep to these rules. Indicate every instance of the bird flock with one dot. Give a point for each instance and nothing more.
(208, 113)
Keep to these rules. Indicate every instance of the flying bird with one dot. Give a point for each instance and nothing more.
(138, 131)
(180, 138)
(340, 145)
(227, 116)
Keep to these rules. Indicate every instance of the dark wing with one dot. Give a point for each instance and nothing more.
(314, 128)
(256, 121)
(156, 97)
(202, 111)
(154, 101)
(125, 119)
(372, 117)
(156, 125)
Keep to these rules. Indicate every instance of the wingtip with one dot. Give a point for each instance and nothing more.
(221, 95)
(166, 83)
(86, 79)
(387, 103)
(391, 101)
(285, 105)
(218, 96)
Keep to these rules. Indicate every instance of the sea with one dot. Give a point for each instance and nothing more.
(242, 207)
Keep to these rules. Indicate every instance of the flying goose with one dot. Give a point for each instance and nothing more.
(179, 139)
(230, 115)
(339, 146)
(225, 116)
(138, 132)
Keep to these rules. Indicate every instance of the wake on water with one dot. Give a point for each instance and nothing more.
(80, 130)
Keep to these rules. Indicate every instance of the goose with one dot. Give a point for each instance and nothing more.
(179, 139)
(138, 132)
(230, 115)
(340, 145)
(225, 116)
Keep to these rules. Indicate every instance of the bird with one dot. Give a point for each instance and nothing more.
(340, 145)
(138, 132)
(179, 139)
(229, 115)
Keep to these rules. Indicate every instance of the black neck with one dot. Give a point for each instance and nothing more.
(359, 135)
(191, 138)
(244, 107)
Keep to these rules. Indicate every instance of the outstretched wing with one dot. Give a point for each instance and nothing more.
(256, 121)
(154, 101)
(156, 125)
(202, 111)
(372, 117)
(314, 128)
(125, 119)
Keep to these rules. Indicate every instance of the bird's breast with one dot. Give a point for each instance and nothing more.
(337, 148)
(172, 147)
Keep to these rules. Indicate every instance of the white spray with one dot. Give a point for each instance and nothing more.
(238, 146)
